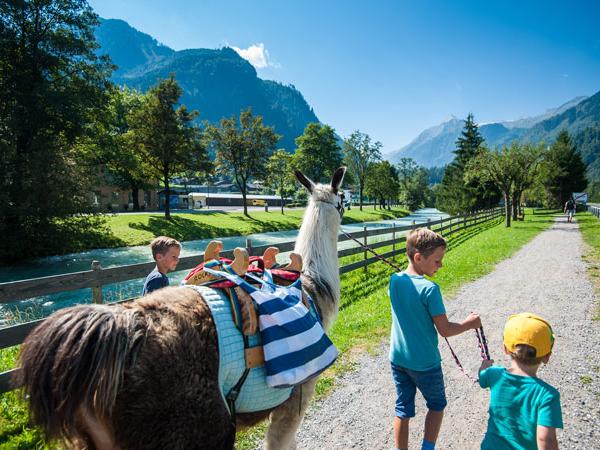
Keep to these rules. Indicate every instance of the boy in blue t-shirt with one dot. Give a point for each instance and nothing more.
(165, 251)
(524, 411)
(417, 311)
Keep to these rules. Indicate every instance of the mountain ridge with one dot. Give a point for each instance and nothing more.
(216, 82)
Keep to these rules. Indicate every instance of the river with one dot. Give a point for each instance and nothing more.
(42, 306)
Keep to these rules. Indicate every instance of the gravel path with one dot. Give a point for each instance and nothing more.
(546, 276)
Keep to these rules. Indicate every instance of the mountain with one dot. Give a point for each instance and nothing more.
(435, 146)
(218, 83)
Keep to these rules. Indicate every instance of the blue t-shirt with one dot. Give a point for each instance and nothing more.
(414, 339)
(155, 280)
(518, 404)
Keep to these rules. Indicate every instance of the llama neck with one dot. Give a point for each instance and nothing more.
(317, 244)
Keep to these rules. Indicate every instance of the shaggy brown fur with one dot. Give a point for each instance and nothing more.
(163, 348)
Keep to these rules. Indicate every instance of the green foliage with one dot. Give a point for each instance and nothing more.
(359, 152)
(455, 195)
(510, 170)
(165, 137)
(563, 171)
(243, 148)
(412, 179)
(280, 175)
(50, 82)
(318, 153)
(589, 226)
(382, 182)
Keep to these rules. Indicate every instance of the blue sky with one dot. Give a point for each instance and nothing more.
(394, 68)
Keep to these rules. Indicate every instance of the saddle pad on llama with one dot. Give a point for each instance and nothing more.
(255, 395)
(295, 345)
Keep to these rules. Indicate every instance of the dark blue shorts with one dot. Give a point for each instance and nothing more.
(429, 382)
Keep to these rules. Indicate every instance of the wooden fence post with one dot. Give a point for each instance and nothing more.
(365, 243)
(97, 289)
(428, 224)
(441, 226)
(394, 241)
(249, 246)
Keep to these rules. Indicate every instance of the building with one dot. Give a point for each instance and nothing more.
(198, 200)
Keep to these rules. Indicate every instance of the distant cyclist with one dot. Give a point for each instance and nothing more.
(569, 209)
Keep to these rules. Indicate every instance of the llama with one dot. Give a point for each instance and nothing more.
(143, 374)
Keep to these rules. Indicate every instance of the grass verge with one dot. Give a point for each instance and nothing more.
(589, 226)
(364, 318)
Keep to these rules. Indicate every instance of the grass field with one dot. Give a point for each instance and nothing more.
(362, 324)
(140, 229)
(590, 230)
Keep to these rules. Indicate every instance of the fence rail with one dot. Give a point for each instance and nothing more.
(97, 277)
(595, 210)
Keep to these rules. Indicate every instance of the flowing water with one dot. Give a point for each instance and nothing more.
(42, 306)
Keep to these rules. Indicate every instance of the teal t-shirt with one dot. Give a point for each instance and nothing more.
(518, 404)
(414, 339)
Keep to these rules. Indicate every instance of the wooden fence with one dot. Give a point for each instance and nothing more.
(594, 209)
(97, 277)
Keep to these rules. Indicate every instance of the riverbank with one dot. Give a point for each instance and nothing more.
(140, 229)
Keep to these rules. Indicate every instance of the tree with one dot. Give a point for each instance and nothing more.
(497, 168)
(112, 148)
(359, 152)
(412, 180)
(318, 154)
(564, 170)
(50, 82)
(166, 137)
(456, 196)
(242, 147)
(382, 182)
(280, 174)
(527, 159)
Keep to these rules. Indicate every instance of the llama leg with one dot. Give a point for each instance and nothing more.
(286, 419)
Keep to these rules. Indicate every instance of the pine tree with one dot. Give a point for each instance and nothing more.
(455, 195)
(564, 170)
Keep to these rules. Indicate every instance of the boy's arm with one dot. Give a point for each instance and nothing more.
(546, 438)
(447, 328)
(485, 364)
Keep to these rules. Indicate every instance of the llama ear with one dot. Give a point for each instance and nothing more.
(309, 185)
(338, 177)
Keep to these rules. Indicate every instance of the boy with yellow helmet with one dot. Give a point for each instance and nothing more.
(524, 411)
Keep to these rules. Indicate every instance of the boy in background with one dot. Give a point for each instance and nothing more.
(417, 311)
(165, 251)
(524, 411)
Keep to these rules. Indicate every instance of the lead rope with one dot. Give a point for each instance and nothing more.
(481, 339)
(369, 249)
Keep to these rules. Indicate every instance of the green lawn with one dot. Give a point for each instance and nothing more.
(140, 229)
(364, 318)
(589, 226)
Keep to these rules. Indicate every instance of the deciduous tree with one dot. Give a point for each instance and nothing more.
(318, 154)
(243, 147)
(165, 134)
(50, 82)
(359, 152)
(280, 174)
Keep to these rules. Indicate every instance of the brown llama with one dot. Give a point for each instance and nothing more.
(143, 375)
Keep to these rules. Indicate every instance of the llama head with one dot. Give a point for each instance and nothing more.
(326, 193)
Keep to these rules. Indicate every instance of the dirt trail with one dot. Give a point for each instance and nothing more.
(546, 276)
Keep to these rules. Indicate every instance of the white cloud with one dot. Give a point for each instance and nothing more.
(257, 55)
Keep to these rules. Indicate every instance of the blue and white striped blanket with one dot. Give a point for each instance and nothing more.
(295, 345)
(255, 394)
